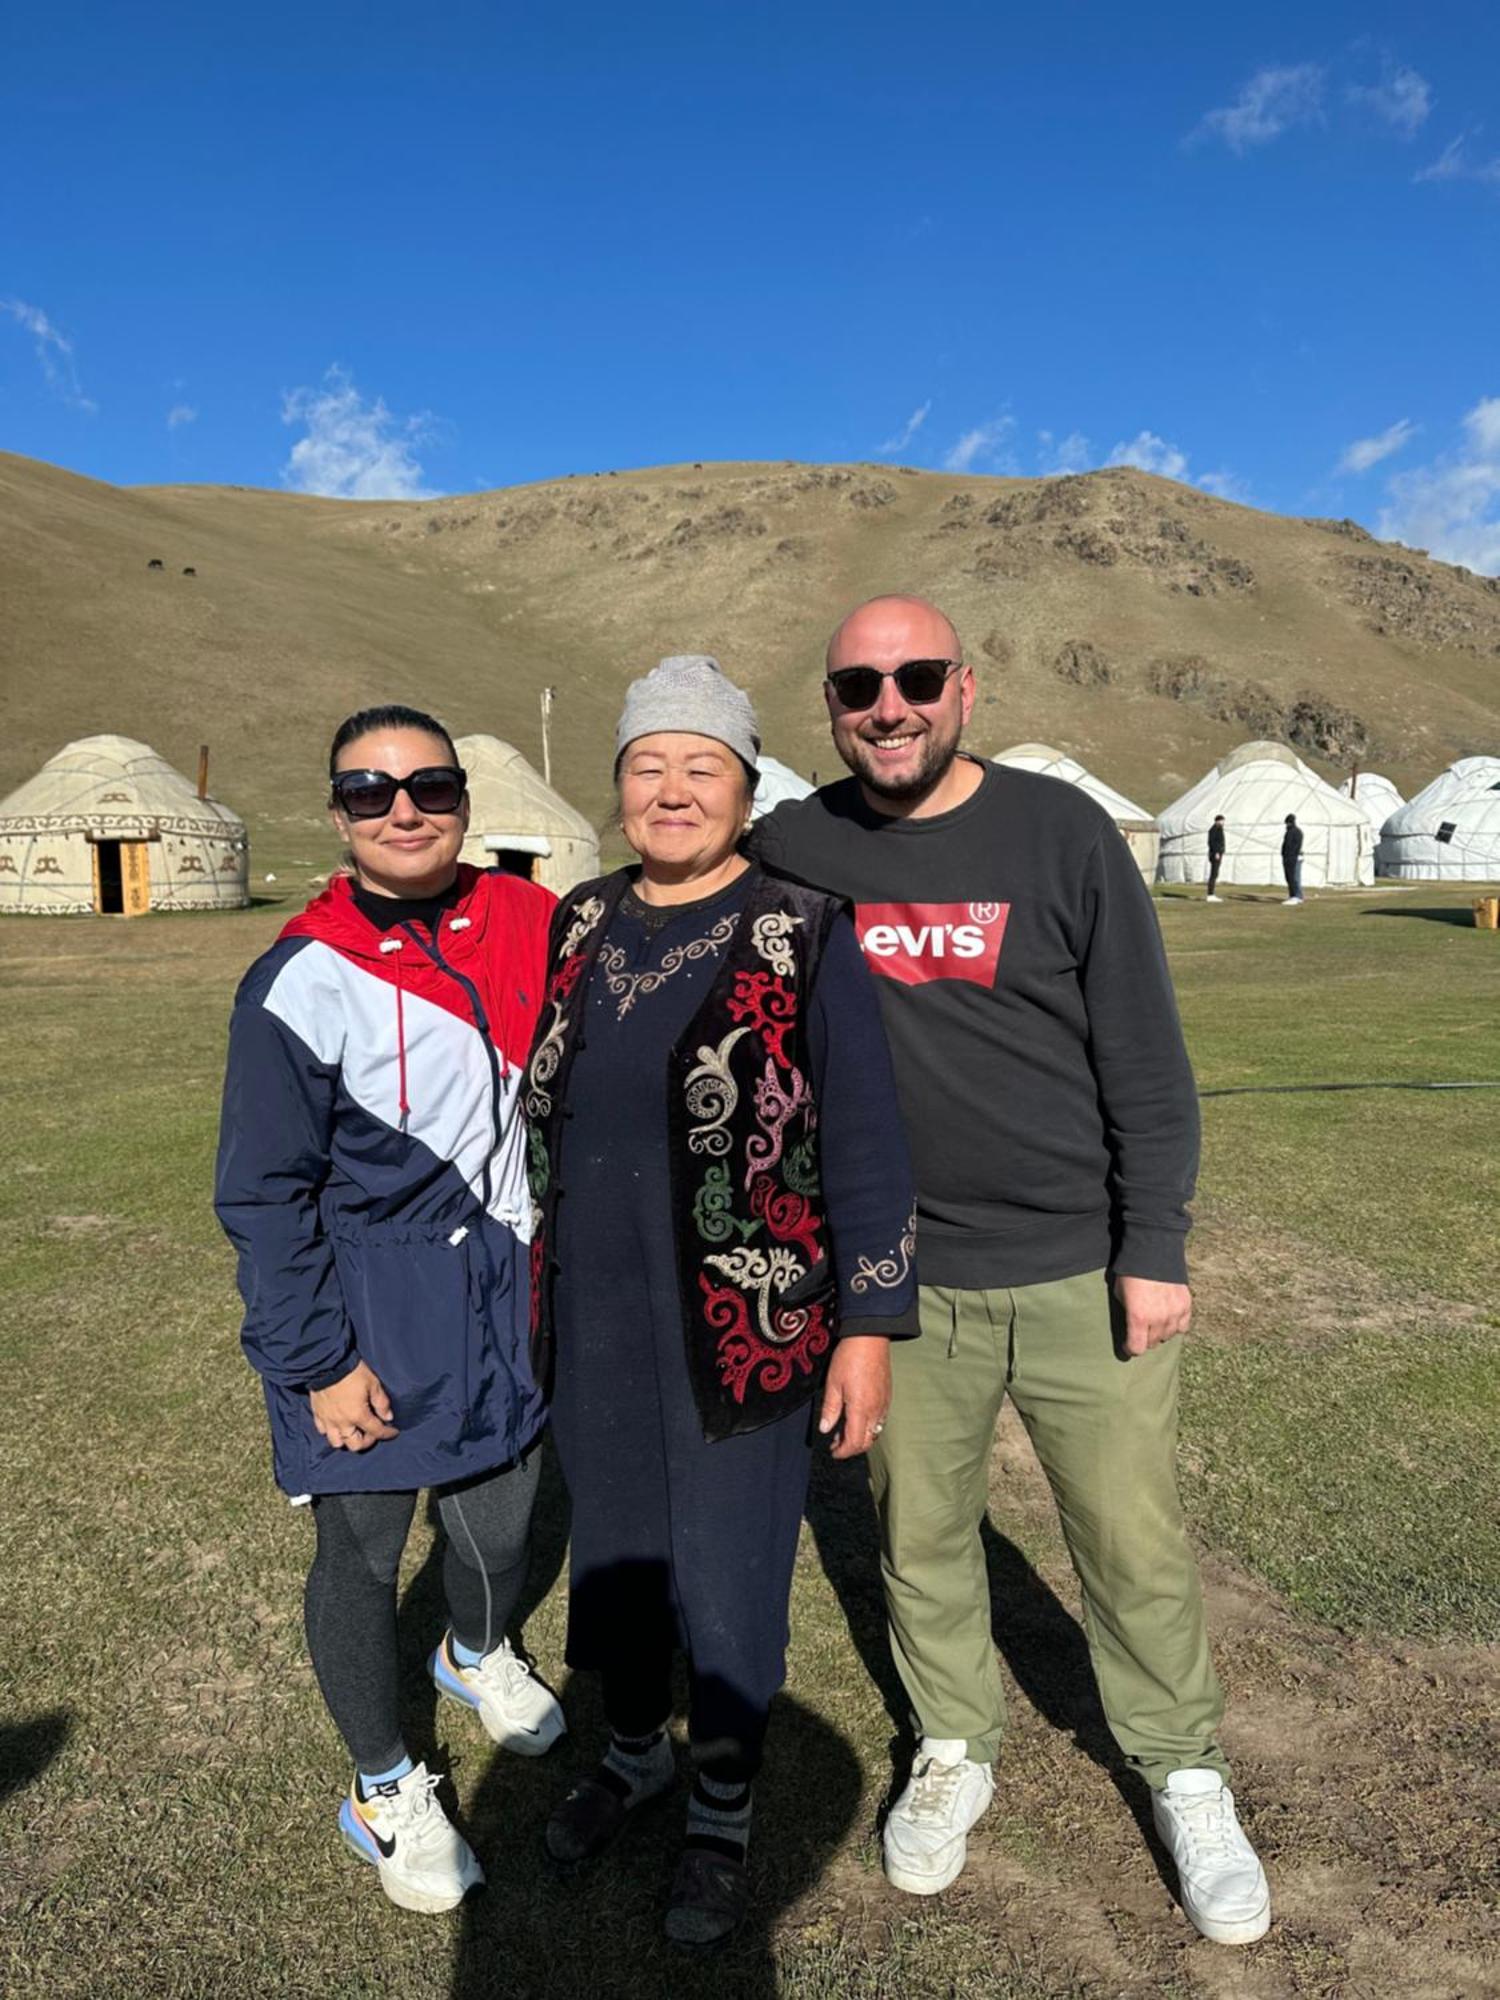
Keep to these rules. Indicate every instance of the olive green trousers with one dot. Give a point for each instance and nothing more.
(1105, 1432)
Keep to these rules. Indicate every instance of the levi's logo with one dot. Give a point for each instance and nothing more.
(915, 942)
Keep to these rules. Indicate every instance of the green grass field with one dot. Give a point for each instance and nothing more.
(168, 1779)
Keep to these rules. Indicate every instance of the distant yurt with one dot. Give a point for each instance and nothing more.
(778, 783)
(1376, 796)
(518, 823)
(1453, 839)
(1255, 787)
(1136, 824)
(107, 827)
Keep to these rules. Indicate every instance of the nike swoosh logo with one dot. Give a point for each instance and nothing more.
(387, 1847)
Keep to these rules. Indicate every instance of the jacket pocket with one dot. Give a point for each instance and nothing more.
(406, 1292)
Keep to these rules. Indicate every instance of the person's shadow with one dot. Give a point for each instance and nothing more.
(27, 1748)
(533, 1932)
(1040, 1641)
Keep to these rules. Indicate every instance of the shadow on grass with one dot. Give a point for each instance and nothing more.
(1433, 913)
(27, 1748)
(1041, 1643)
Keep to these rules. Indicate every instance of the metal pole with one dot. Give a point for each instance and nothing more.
(547, 694)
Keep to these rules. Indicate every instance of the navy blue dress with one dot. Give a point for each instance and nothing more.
(679, 1543)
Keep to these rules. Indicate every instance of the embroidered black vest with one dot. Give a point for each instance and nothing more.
(754, 1257)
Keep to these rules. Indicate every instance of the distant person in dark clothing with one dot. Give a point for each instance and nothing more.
(1215, 858)
(1291, 860)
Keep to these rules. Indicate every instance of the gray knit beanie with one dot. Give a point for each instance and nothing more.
(690, 692)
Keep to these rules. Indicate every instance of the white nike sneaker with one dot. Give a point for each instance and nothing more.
(1219, 1877)
(424, 1861)
(518, 1713)
(926, 1833)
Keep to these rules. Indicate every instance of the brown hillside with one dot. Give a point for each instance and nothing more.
(1140, 624)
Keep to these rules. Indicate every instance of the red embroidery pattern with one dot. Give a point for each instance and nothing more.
(566, 976)
(789, 1217)
(762, 1000)
(745, 1359)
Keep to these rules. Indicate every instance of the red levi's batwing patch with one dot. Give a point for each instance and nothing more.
(916, 942)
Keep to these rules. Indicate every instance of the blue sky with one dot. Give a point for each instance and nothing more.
(396, 250)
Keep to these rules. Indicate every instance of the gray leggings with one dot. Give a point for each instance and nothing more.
(350, 1603)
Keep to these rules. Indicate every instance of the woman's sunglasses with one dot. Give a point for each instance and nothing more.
(917, 681)
(436, 788)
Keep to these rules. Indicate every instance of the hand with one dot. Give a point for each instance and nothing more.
(857, 1393)
(1154, 1312)
(355, 1413)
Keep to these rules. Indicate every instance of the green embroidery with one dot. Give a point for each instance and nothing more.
(539, 1172)
(712, 1205)
(800, 1169)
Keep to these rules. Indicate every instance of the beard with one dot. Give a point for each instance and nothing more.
(936, 753)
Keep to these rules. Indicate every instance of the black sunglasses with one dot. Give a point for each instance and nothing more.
(917, 681)
(436, 788)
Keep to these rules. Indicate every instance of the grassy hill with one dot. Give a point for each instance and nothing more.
(1140, 624)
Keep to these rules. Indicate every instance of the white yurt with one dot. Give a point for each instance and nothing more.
(107, 827)
(1134, 822)
(518, 823)
(778, 783)
(1455, 838)
(1376, 796)
(1255, 787)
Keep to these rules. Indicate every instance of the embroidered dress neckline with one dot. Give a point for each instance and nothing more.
(654, 917)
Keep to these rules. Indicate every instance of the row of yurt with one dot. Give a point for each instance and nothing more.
(107, 826)
(1136, 825)
(1254, 788)
(1450, 832)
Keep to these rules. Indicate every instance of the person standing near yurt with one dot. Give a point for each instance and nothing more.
(371, 1177)
(1291, 860)
(1215, 859)
(724, 1253)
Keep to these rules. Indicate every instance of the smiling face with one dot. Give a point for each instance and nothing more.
(900, 751)
(407, 852)
(684, 800)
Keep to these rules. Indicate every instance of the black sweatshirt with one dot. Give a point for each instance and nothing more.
(1039, 1061)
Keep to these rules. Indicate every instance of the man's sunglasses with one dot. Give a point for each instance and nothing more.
(436, 788)
(917, 681)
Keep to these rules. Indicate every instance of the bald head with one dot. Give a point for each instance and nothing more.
(926, 633)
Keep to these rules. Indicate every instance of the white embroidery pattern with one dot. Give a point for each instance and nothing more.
(628, 987)
(584, 919)
(770, 934)
(890, 1271)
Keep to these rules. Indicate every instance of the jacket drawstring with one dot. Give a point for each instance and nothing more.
(402, 1106)
(462, 924)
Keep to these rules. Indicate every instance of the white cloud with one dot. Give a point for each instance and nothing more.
(1365, 452)
(984, 442)
(54, 351)
(907, 431)
(1069, 454)
(353, 450)
(1224, 486)
(1402, 99)
(1151, 454)
(1272, 102)
(1452, 505)
(179, 414)
(1454, 164)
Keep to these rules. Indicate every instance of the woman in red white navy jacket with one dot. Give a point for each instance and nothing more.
(371, 1176)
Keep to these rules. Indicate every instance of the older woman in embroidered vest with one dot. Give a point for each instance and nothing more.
(722, 1251)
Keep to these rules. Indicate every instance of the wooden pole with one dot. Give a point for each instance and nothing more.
(547, 694)
(203, 770)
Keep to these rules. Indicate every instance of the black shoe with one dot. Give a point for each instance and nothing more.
(592, 1815)
(709, 1900)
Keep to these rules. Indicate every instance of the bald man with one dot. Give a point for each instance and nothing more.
(1053, 1122)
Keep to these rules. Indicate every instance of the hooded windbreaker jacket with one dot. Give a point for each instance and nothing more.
(371, 1176)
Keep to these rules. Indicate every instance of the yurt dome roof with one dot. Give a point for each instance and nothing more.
(501, 779)
(1052, 763)
(114, 783)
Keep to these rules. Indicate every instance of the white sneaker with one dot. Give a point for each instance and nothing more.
(1219, 1877)
(518, 1713)
(424, 1861)
(1290, 902)
(926, 1833)
(1213, 899)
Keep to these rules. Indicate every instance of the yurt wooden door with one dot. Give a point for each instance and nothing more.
(122, 877)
